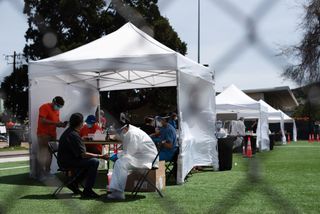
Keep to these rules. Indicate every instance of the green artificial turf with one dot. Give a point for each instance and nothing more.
(285, 180)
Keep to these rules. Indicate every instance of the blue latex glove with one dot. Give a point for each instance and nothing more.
(114, 157)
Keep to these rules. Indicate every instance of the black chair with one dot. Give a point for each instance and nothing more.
(172, 166)
(69, 177)
(144, 177)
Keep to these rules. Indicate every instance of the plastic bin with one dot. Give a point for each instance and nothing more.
(15, 136)
(225, 153)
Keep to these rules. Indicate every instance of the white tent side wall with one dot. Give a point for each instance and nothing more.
(43, 90)
(198, 145)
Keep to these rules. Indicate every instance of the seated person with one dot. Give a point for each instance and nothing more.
(148, 127)
(173, 120)
(139, 151)
(167, 140)
(91, 127)
(72, 154)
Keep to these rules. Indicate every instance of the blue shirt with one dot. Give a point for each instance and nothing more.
(173, 123)
(168, 134)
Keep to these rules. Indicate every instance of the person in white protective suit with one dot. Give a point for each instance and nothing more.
(139, 151)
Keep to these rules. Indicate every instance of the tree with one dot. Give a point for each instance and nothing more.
(57, 26)
(307, 53)
(14, 89)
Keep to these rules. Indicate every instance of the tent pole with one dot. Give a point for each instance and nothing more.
(179, 178)
(98, 88)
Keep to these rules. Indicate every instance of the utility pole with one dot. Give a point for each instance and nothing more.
(198, 31)
(16, 59)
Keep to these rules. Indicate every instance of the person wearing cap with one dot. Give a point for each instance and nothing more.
(72, 154)
(91, 127)
(48, 122)
(168, 139)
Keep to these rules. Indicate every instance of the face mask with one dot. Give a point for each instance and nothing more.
(56, 108)
(90, 126)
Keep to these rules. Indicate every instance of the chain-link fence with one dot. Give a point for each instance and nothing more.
(249, 23)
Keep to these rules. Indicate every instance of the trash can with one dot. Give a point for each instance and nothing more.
(271, 138)
(225, 153)
(15, 136)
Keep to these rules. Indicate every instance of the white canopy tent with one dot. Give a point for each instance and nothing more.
(274, 116)
(286, 119)
(129, 59)
(233, 100)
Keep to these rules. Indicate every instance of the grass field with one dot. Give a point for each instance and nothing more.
(285, 180)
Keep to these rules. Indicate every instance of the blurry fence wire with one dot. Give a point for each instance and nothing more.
(249, 24)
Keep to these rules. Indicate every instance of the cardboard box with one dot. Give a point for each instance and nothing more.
(157, 177)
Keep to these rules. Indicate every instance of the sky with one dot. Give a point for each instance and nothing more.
(224, 42)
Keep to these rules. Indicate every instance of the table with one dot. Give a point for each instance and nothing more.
(104, 142)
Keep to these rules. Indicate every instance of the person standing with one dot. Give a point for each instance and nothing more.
(103, 120)
(48, 121)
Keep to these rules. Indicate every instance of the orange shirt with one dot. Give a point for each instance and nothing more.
(46, 111)
(85, 130)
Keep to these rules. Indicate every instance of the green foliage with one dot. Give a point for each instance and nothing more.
(14, 89)
(57, 26)
(306, 54)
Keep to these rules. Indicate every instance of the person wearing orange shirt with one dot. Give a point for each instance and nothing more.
(48, 121)
(91, 127)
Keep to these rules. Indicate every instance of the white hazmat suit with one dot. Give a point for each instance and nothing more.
(138, 153)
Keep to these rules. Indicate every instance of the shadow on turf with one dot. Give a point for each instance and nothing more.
(102, 198)
(19, 179)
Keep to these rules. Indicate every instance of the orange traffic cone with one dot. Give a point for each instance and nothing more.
(309, 138)
(289, 141)
(249, 150)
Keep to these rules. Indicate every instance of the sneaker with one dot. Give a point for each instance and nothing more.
(116, 195)
(89, 194)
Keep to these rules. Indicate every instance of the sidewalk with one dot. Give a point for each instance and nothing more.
(15, 155)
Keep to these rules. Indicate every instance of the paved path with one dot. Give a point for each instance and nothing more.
(14, 156)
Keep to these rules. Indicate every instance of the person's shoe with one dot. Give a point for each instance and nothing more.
(74, 188)
(89, 194)
(116, 195)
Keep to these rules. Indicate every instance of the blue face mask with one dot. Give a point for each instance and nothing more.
(90, 126)
(56, 108)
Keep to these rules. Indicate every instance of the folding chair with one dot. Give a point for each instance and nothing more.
(53, 148)
(144, 177)
(171, 166)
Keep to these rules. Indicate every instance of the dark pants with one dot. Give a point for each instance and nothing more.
(88, 169)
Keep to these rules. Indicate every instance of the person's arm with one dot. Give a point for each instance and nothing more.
(167, 144)
(168, 141)
(49, 122)
(92, 155)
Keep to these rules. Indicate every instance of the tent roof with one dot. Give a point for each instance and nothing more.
(134, 43)
(125, 59)
(232, 99)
